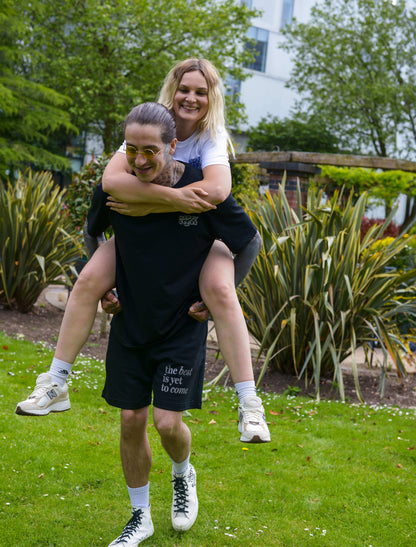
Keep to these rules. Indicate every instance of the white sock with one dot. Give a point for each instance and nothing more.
(139, 497)
(179, 468)
(245, 389)
(59, 371)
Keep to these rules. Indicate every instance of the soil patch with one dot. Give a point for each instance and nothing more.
(43, 323)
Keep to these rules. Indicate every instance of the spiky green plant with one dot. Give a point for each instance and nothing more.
(316, 292)
(35, 244)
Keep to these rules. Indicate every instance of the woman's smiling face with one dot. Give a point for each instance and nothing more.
(191, 102)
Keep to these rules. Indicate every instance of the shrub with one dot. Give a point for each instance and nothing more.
(314, 294)
(297, 133)
(36, 243)
(80, 191)
(391, 230)
(402, 261)
(246, 181)
(383, 187)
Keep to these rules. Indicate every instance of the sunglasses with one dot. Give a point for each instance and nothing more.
(147, 153)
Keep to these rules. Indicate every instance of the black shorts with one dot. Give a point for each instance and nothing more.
(173, 370)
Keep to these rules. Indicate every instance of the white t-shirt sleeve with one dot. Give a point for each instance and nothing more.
(214, 152)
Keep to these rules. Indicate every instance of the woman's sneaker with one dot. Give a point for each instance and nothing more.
(138, 528)
(185, 501)
(48, 396)
(252, 421)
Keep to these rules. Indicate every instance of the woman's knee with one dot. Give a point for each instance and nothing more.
(98, 275)
(216, 281)
(218, 291)
(93, 282)
(86, 282)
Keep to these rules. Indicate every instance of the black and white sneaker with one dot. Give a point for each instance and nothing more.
(185, 501)
(138, 528)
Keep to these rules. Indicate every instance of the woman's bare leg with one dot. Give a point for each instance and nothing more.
(51, 391)
(96, 278)
(216, 283)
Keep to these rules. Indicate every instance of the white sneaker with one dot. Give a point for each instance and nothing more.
(138, 528)
(252, 421)
(185, 501)
(47, 397)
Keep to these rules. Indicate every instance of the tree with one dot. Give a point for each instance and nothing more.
(29, 112)
(354, 68)
(110, 55)
(291, 134)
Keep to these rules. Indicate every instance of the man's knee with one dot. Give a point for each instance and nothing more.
(133, 422)
(167, 423)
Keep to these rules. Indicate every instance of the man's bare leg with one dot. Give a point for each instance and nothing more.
(136, 460)
(176, 440)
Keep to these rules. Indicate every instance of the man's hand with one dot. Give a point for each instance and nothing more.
(199, 311)
(110, 303)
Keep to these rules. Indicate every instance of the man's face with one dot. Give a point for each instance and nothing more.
(146, 154)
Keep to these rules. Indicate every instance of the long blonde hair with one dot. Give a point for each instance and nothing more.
(214, 119)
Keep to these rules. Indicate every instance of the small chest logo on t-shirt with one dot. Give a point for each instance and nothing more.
(195, 162)
(188, 220)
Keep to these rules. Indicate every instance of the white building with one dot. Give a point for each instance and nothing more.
(264, 92)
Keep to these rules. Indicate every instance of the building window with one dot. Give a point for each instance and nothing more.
(75, 150)
(232, 88)
(287, 12)
(259, 49)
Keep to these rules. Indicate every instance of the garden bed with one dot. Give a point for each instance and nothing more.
(43, 323)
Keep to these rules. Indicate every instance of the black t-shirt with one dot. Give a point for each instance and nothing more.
(159, 258)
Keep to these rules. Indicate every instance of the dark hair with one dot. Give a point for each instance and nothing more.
(153, 114)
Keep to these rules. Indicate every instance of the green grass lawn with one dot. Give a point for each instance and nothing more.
(334, 474)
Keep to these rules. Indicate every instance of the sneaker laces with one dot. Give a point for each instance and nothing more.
(180, 488)
(252, 416)
(41, 390)
(131, 526)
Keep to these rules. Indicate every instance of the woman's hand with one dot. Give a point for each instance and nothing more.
(185, 200)
(191, 200)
